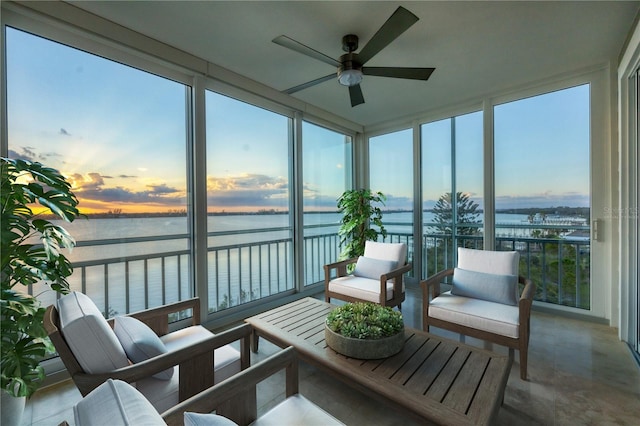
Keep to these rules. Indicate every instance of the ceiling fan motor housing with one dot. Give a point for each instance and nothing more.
(350, 43)
(350, 70)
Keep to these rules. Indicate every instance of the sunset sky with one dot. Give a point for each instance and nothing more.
(119, 135)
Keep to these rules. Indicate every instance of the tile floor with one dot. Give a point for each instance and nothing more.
(579, 374)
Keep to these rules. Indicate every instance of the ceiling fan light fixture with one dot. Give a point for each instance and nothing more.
(349, 77)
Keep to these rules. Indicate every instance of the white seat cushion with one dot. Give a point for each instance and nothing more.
(226, 359)
(480, 314)
(115, 403)
(163, 394)
(89, 336)
(295, 411)
(489, 262)
(360, 288)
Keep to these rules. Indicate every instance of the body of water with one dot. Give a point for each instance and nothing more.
(253, 271)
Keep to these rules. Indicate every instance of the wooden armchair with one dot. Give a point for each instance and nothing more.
(116, 402)
(377, 277)
(478, 310)
(197, 358)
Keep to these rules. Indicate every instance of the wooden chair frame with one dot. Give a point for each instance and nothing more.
(238, 386)
(341, 271)
(431, 290)
(195, 361)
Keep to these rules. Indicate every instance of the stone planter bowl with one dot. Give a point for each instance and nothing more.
(364, 348)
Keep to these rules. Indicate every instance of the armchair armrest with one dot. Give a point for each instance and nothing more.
(433, 283)
(157, 318)
(132, 373)
(394, 274)
(526, 298)
(340, 266)
(237, 385)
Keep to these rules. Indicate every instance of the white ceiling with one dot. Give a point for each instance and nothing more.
(478, 48)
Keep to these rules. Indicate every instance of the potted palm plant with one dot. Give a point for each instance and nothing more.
(361, 220)
(365, 330)
(31, 252)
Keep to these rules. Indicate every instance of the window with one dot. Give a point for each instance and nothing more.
(118, 134)
(391, 172)
(451, 164)
(327, 171)
(248, 199)
(542, 193)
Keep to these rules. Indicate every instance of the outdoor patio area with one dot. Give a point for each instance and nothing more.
(579, 373)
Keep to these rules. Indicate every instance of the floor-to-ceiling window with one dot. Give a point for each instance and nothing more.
(248, 202)
(327, 173)
(542, 191)
(119, 136)
(391, 172)
(632, 214)
(452, 163)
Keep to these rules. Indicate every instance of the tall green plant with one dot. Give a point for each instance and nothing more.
(361, 220)
(30, 252)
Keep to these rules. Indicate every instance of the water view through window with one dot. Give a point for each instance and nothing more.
(119, 136)
(542, 181)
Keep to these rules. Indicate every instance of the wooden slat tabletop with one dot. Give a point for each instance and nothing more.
(434, 378)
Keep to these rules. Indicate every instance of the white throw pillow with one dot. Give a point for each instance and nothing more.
(115, 403)
(140, 342)
(200, 419)
(367, 267)
(89, 336)
(479, 285)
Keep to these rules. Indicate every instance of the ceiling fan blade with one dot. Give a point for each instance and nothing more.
(310, 83)
(397, 72)
(305, 50)
(397, 23)
(355, 93)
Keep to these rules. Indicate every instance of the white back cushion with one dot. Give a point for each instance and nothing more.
(396, 252)
(489, 262)
(88, 335)
(115, 403)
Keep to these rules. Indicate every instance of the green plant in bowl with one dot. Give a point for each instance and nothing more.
(363, 320)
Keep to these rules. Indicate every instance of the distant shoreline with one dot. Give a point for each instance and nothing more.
(560, 211)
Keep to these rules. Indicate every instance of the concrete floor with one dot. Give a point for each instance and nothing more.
(579, 374)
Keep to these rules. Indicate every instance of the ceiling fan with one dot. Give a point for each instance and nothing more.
(351, 65)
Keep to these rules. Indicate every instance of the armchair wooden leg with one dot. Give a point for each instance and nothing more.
(523, 361)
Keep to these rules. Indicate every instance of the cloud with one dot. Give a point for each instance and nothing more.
(80, 183)
(248, 190)
(91, 187)
(161, 189)
(27, 154)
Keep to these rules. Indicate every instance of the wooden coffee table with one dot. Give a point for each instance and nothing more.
(433, 378)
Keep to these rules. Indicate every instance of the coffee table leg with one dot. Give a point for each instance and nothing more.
(254, 341)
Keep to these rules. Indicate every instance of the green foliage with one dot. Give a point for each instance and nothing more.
(467, 212)
(361, 220)
(30, 253)
(363, 320)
